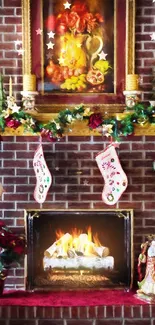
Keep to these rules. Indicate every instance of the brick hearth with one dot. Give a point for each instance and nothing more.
(98, 315)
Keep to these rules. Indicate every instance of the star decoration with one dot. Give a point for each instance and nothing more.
(15, 108)
(50, 45)
(18, 42)
(63, 51)
(57, 168)
(85, 182)
(67, 5)
(78, 45)
(152, 36)
(49, 55)
(51, 34)
(102, 55)
(39, 31)
(61, 60)
(20, 51)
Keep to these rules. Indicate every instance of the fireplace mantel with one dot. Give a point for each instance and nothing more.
(78, 128)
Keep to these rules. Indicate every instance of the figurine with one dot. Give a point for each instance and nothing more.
(147, 284)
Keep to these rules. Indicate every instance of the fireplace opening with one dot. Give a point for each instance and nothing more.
(79, 249)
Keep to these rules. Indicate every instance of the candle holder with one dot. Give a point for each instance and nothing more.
(10, 101)
(28, 100)
(131, 98)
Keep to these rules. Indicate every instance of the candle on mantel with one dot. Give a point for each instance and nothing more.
(132, 81)
(29, 82)
(10, 87)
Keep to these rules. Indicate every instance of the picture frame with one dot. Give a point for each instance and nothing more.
(121, 51)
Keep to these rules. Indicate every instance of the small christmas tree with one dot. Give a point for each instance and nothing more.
(3, 102)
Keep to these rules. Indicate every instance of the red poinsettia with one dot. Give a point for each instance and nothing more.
(12, 248)
(12, 123)
(95, 120)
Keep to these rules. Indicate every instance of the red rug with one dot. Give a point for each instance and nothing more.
(70, 298)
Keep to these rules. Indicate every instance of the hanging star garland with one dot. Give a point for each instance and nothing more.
(51, 34)
(50, 45)
(20, 51)
(152, 37)
(67, 5)
(102, 55)
(39, 31)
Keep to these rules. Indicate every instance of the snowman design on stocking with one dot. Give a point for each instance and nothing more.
(43, 176)
(113, 174)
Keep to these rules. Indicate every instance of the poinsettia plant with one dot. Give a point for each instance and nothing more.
(12, 249)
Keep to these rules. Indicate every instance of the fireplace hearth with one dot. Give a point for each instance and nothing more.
(79, 249)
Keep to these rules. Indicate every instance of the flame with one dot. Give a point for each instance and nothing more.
(78, 240)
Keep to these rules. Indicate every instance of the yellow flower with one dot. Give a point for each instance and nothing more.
(87, 112)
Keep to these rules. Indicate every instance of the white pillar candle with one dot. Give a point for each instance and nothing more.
(10, 87)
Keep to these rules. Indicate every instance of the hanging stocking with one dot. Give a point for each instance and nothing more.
(43, 176)
(113, 174)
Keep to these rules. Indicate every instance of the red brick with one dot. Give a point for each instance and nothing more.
(92, 312)
(26, 322)
(40, 312)
(65, 312)
(136, 312)
(109, 311)
(14, 3)
(128, 312)
(57, 312)
(74, 312)
(4, 312)
(48, 312)
(153, 310)
(30, 312)
(118, 311)
(83, 312)
(109, 322)
(78, 322)
(101, 312)
(68, 146)
(138, 322)
(146, 311)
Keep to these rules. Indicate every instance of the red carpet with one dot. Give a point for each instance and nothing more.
(69, 298)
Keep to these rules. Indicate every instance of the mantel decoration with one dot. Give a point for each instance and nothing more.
(12, 249)
(13, 116)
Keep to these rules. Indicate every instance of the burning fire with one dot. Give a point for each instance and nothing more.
(77, 250)
(76, 243)
(78, 238)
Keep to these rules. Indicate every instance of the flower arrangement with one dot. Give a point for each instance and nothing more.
(12, 249)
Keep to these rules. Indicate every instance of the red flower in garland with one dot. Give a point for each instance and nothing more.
(10, 122)
(95, 120)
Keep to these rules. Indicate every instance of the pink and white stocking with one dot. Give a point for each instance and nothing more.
(43, 175)
(115, 179)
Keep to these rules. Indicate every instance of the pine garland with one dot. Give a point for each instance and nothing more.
(55, 128)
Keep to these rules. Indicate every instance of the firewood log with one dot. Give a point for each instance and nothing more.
(64, 240)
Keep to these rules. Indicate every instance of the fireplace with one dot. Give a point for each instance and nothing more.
(79, 249)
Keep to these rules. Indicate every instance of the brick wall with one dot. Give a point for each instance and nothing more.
(74, 153)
